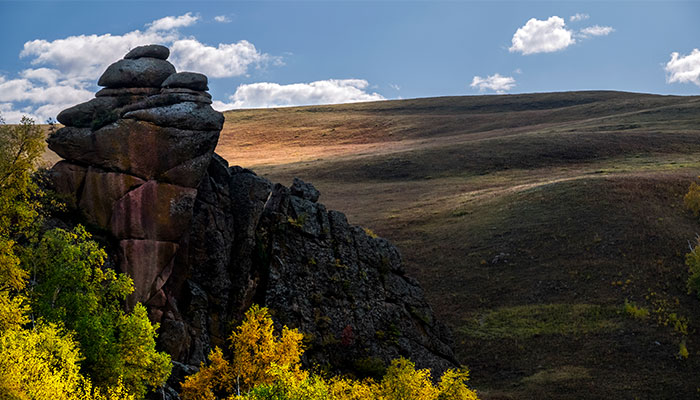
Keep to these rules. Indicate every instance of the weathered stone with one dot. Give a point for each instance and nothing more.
(335, 282)
(186, 91)
(186, 115)
(92, 114)
(188, 80)
(101, 190)
(136, 92)
(145, 261)
(143, 72)
(73, 144)
(140, 148)
(68, 181)
(164, 99)
(153, 211)
(151, 50)
(304, 190)
(189, 173)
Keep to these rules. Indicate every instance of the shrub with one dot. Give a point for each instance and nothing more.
(266, 365)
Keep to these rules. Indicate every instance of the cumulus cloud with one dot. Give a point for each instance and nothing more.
(684, 69)
(225, 60)
(222, 18)
(596, 30)
(496, 83)
(538, 36)
(331, 91)
(169, 23)
(579, 17)
(65, 70)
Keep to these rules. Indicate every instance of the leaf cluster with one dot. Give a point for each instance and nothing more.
(268, 365)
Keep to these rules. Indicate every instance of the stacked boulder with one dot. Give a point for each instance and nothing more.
(203, 241)
(134, 157)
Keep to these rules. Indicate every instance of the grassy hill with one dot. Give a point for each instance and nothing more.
(529, 220)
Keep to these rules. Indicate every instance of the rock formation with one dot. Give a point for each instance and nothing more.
(203, 241)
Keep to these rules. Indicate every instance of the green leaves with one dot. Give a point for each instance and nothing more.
(74, 289)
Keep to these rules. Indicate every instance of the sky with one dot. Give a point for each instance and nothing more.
(268, 54)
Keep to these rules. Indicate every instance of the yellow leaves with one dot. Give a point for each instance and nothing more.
(266, 366)
(217, 377)
(692, 199)
(453, 386)
(255, 348)
(39, 363)
(403, 382)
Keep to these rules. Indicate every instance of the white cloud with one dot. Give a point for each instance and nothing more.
(395, 86)
(66, 70)
(47, 75)
(169, 23)
(226, 60)
(538, 36)
(222, 18)
(496, 83)
(596, 30)
(579, 17)
(86, 56)
(684, 69)
(42, 100)
(266, 94)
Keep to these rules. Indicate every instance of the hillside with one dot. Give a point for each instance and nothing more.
(528, 219)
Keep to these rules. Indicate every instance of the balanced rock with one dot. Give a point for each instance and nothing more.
(187, 115)
(151, 50)
(142, 72)
(187, 80)
(202, 241)
(94, 112)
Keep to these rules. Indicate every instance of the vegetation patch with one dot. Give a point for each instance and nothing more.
(521, 322)
(559, 374)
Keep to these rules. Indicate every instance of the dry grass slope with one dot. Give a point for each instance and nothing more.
(528, 219)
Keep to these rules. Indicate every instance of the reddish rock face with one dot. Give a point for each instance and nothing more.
(153, 211)
(101, 190)
(149, 263)
(135, 156)
(69, 180)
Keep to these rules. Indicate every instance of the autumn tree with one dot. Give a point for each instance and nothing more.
(66, 335)
(265, 366)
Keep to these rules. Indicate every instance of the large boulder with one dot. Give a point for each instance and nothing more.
(142, 72)
(187, 80)
(141, 149)
(187, 115)
(151, 50)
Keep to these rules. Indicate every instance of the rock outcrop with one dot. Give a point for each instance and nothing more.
(134, 157)
(203, 241)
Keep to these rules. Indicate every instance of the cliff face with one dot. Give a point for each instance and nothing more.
(203, 241)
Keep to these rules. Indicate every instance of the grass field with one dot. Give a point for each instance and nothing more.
(530, 220)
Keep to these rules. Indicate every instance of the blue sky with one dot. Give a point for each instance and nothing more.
(262, 54)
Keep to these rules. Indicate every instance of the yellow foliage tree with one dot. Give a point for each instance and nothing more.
(403, 382)
(255, 348)
(268, 364)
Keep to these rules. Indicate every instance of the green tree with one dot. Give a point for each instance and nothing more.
(77, 327)
(74, 289)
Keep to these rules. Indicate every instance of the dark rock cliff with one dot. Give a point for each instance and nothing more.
(203, 241)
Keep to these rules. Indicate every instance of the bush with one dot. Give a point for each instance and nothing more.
(267, 364)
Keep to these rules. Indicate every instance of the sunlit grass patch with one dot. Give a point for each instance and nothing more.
(526, 321)
(559, 374)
